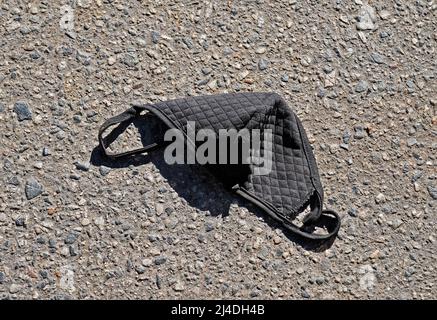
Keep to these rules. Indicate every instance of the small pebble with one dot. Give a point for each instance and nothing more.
(83, 166)
(160, 260)
(155, 36)
(380, 198)
(377, 58)
(33, 188)
(411, 142)
(277, 240)
(23, 111)
(70, 238)
(104, 170)
(20, 222)
(85, 222)
(366, 18)
(179, 286)
(206, 71)
(14, 288)
(147, 262)
(361, 86)
(263, 64)
(432, 192)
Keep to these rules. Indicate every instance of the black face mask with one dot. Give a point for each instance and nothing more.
(293, 183)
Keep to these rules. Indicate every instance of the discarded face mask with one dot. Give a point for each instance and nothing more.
(290, 187)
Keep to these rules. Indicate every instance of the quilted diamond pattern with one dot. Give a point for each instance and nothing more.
(293, 178)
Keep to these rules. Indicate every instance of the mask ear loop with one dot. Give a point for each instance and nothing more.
(125, 116)
(326, 214)
(317, 214)
(332, 215)
(290, 226)
(315, 204)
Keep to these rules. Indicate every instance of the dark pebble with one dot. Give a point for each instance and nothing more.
(70, 238)
(22, 110)
(20, 222)
(158, 281)
(40, 240)
(432, 192)
(263, 64)
(160, 260)
(155, 36)
(188, 42)
(33, 188)
(305, 294)
(45, 151)
(52, 243)
(353, 212)
(74, 250)
(44, 274)
(140, 269)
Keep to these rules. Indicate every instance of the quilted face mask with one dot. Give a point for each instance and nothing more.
(283, 181)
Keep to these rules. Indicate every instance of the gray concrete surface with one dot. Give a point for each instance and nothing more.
(361, 76)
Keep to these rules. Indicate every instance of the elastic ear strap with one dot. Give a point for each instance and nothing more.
(314, 236)
(316, 209)
(316, 214)
(125, 116)
(287, 224)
